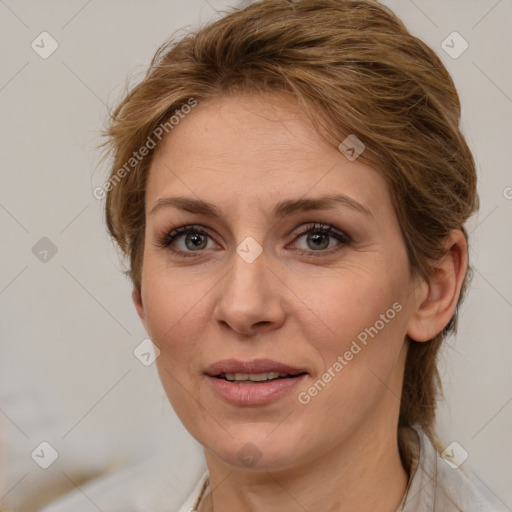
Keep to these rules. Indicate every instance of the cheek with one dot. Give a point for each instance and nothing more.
(173, 317)
(357, 331)
(349, 304)
(173, 321)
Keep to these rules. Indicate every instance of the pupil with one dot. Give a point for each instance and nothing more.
(316, 238)
(196, 240)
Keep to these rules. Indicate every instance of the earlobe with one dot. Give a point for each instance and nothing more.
(139, 306)
(443, 287)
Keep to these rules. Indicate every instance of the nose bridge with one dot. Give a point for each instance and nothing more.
(246, 282)
(249, 296)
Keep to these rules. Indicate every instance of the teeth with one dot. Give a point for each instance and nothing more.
(254, 377)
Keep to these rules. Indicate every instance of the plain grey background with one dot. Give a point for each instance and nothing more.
(68, 328)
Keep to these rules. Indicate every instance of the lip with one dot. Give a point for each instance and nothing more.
(254, 366)
(259, 393)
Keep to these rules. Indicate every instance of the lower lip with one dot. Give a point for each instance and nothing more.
(258, 393)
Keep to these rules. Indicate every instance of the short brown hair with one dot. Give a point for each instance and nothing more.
(356, 69)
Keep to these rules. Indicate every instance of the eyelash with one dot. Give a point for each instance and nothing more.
(167, 239)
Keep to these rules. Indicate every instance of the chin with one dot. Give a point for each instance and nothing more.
(257, 448)
(257, 458)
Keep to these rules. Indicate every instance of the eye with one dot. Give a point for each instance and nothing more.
(186, 239)
(321, 238)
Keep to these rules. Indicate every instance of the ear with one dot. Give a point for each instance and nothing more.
(139, 306)
(441, 290)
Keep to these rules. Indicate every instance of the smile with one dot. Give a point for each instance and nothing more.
(249, 378)
(256, 382)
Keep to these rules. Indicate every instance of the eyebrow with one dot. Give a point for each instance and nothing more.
(281, 209)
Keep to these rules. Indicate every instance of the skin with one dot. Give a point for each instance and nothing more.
(339, 451)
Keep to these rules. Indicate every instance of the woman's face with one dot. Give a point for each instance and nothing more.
(315, 319)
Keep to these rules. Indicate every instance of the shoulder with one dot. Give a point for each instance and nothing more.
(157, 484)
(442, 484)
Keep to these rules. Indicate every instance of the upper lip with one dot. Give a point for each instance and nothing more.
(251, 367)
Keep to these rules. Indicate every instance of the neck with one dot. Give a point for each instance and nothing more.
(362, 474)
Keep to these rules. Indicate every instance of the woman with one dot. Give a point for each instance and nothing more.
(290, 186)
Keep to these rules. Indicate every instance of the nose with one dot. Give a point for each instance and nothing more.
(250, 297)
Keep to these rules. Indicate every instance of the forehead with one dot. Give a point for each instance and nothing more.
(256, 150)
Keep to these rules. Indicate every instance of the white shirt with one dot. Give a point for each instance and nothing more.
(434, 485)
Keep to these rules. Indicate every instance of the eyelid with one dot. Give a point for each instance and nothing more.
(169, 235)
(327, 228)
(343, 239)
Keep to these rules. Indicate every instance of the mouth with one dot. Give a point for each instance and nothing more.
(255, 371)
(256, 382)
(256, 378)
